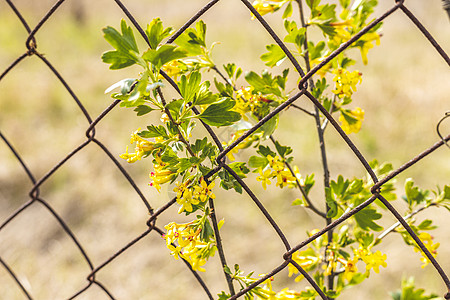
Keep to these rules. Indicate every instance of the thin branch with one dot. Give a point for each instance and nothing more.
(320, 132)
(180, 135)
(325, 123)
(220, 246)
(302, 190)
(397, 224)
(227, 80)
(304, 110)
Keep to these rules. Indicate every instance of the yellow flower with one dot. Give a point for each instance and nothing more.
(186, 201)
(285, 178)
(374, 261)
(307, 259)
(175, 251)
(189, 247)
(287, 294)
(427, 240)
(322, 71)
(204, 191)
(275, 163)
(193, 195)
(345, 82)
(143, 147)
(231, 153)
(160, 176)
(350, 267)
(173, 69)
(130, 157)
(265, 7)
(367, 40)
(264, 177)
(351, 120)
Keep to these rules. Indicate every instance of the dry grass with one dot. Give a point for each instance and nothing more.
(404, 93)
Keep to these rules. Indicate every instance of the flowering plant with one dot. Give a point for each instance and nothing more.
(194, 167)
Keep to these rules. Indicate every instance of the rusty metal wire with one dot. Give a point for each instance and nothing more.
(35, 197)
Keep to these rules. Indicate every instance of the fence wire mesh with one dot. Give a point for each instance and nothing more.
(37, 195)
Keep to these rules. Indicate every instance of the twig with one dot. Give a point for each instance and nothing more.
(302, 190)
(303, 110)
(395, 225)
(320, 131)
(180, 135)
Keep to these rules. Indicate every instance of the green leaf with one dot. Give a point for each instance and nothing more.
(426, 225)
(258, 162)
(143, 109)
(199, 145)
(224, 90)
(184, 164)
(204, 96)
(365, 219)
(126, 53)
(268, 128)
(288, 11)
(344, 3)
(227, 270)
(274, 57)
(118, 60)
(409, 292)
(229, 182)
(283, 150)
(207, 232)
(219, 113)
(239, 168)
(331, 203)
(156, 33)
(163, 55)
(175, 107)
(265, 151)
(154, 131)
(230, 68)
(312, 3)
(414, 195)
(193, 40)
(190, 87)
(223, 296)
(340, 186)
(295, 35)
(169, 157)
(264, 84)
(316, 51)
(308, 183)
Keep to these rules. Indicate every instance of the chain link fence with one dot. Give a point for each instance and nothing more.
(37, 194)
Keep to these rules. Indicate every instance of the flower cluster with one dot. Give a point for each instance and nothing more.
(372, 260)
(143, 148)
(336, 263)
(345, 82)
(308, 259)
(276, 169)
(345, 29)
(160, 175)
(189, 194)
(265, 6)
(427, 240)
(183, 240)
(248, 101)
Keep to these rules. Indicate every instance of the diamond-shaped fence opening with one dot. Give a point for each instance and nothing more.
(49, 215)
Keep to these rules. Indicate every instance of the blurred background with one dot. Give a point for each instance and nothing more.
(405, 92)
